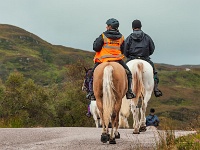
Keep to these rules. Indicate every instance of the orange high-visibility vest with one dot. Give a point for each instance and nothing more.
(110, 50)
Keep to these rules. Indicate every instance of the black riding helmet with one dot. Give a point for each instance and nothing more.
(114, 23)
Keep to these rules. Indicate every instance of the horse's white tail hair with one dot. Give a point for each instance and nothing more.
(138, 80)
(108, 94)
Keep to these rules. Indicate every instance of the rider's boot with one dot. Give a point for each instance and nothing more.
(90, 95)
(129, 93)
(157, 92)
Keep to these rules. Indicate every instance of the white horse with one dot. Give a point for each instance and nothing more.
(142, 85)
(95, 113)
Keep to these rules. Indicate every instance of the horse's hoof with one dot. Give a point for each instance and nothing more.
(117, 136)
(143, 129)
(112, 141)
(136, 132)
(104, 138)
(108, 136)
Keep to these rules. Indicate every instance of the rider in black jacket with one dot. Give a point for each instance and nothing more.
(139, 45)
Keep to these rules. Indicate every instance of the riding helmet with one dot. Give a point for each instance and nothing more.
(114, 23)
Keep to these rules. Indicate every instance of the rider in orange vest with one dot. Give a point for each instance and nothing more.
(109, 47)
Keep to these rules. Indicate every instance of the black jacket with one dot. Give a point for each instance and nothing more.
(111, 34)
(138, 44)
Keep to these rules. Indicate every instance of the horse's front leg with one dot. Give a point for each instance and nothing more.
(97, 123)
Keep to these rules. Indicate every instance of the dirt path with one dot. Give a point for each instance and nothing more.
(75, 138)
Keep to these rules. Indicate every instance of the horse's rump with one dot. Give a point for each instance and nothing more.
(142, 76)
(118, 78)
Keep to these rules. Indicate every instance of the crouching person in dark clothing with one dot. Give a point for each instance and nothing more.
(152, 119)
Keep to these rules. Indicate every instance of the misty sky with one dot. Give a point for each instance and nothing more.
(174, 25)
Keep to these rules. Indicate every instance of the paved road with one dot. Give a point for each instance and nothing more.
(76, 138)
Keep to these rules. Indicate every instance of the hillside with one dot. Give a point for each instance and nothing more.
(23, 51)
(37, 59)
(181, 96)
(64, 103)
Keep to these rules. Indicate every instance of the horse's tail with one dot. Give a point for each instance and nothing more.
(108, 93)
(138, 80)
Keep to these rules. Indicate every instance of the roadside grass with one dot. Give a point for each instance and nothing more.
(168, 140)
(166, 137)
(190, 142)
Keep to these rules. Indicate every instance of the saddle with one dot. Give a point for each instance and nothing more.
(138, 57)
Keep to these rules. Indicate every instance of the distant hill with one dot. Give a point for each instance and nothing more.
(181, 66)
(167, 67)
(37, 59)
(23, 51)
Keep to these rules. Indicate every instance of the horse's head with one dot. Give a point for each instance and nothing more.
(85, 86)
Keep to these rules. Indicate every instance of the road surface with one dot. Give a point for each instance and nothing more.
(76, 138)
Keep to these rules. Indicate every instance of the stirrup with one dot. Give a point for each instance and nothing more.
(88, 96)
(91, 96)
(130, 95)
(157, 93)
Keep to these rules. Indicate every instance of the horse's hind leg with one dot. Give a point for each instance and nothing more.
(135, 112)
(142, 120)
(117, 135)
(97, 123)
(113, 122)
(105, 135)
(143, 112)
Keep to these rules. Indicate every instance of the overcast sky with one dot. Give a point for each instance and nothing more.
(174, 25)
